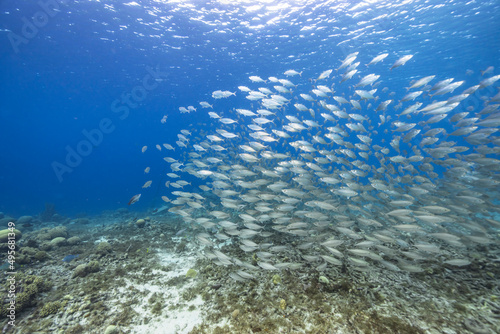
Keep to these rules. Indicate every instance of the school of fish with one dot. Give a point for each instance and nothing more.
(302, 177)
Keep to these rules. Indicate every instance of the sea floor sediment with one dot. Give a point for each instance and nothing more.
(133, 278)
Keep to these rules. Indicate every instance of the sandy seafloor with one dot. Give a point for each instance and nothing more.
(129, 278)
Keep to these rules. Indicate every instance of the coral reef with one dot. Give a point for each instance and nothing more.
(103, 248)
(57, 242)
(83, 270)
(28, 289)
(139, 284)
(41, 256)
(4, 235)
(191, 273)
(140, 223)
(74, 240)
(50, 308)
(52, 233)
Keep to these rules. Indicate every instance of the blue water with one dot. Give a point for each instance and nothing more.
(62, 79)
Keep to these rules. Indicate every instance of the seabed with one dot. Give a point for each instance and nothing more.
(131, 276)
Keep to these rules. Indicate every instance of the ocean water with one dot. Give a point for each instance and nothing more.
(93, 92)
(63, 77)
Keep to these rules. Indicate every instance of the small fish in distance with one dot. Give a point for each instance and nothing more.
(134, 199)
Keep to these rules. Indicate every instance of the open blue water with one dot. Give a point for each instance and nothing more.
(59, 78)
